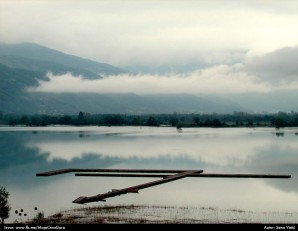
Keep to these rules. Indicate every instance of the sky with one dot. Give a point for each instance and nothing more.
(201, 46)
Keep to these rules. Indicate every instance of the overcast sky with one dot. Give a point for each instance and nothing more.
(252, 41)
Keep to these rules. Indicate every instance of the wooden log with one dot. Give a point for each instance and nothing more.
(244, 175)
(133, 189)
(55, 172)
(62, 171)
(192, 175)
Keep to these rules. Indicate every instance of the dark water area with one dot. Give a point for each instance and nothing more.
(26, 151)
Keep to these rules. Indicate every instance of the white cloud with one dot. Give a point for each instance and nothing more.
(150, 32)
(279, 67)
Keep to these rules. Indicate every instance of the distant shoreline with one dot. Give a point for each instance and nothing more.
(213, 120)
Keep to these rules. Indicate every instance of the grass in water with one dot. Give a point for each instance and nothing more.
(145, 214)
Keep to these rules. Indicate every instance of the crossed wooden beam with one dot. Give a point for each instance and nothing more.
(158, 173)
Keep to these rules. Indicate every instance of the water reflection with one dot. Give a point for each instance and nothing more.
(25, 151)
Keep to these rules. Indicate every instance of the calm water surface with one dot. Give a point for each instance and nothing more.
(25, 151)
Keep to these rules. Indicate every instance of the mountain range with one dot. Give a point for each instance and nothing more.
(23, 65)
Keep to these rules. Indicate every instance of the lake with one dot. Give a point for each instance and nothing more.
(25, 151)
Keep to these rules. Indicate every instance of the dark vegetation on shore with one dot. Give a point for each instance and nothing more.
(237, 119)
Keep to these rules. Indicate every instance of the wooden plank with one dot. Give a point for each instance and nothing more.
(134, 189)
(244, 175)
(55, 172)
(219, 175)
(62, 171)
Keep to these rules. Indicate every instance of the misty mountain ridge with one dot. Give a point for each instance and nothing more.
(23, 65)
(29, 56)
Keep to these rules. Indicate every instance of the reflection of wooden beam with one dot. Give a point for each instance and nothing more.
(192, 175)
(134, 189)
(62, 171)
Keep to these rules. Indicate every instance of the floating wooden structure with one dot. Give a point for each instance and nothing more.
(156, 173)
(67, 170)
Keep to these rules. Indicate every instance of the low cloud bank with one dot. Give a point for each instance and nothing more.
(273, 71)
(215, 80)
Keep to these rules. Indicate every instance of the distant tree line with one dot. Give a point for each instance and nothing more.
(237, 119)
